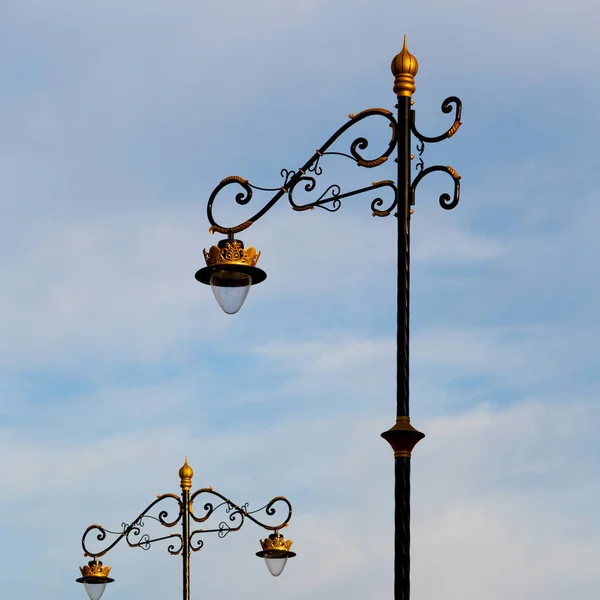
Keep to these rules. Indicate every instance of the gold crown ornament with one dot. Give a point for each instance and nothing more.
(231, 252)
(276, 546)
(230, 255)
(94, 572)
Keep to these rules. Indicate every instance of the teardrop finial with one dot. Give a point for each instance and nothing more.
(404, 68)
(185, 474)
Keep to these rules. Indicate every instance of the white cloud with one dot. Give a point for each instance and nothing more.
(112, 289)
(503, 514)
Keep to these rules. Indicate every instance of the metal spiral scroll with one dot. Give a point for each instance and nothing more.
(447, 106)
(236, 515)
(446, 201)
(331, 198)
(132, 532)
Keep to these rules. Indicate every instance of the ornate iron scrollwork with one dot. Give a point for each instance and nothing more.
(132, 532)
(236, 515)
(134, 536)
(447, 106)
(305, 177)
(447, 202)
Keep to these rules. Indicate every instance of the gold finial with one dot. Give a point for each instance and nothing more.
(404, 68)
(186, 473)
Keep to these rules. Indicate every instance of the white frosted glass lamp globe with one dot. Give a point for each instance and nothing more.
(230, 289)
(276, 551)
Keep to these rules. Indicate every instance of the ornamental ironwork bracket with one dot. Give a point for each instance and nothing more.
(134, 535)
(305, 178)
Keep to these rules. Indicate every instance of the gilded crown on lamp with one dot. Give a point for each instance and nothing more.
(230, 256)
(95, 572)
(95, 569)
(275, 545)
(231, 252)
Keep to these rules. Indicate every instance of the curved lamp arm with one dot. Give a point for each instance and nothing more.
(132, 532)
(235, 515)
(330, 199)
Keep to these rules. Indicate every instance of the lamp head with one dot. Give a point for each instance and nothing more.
(276, 551)
(230, 271)
(94, 577)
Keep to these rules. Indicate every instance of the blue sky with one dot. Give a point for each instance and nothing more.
(119, 118)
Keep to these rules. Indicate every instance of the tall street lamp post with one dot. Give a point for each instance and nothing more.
(170, 510)
(231, 268)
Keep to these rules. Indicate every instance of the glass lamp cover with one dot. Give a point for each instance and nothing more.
(94, 589)
(230, 289)
(276, 565)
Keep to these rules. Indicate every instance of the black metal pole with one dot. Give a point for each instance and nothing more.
(402, 463)
(403, 216)
(403, 437)
(402, 529)
(185, 498)
(185, 474)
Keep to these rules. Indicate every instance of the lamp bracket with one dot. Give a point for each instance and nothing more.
(305, 177)
(134, 535)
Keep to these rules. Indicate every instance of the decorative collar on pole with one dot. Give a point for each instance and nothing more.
(404, 68)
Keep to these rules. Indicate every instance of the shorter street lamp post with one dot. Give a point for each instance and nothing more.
(275, 548)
